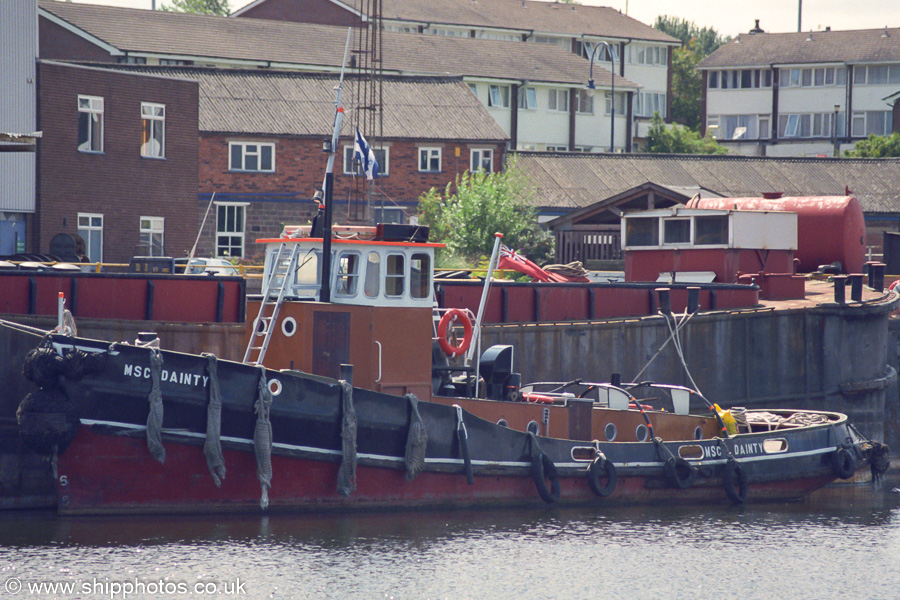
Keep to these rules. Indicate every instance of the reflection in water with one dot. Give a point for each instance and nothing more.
(841, 542)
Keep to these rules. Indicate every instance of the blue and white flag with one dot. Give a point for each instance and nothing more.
(366, 156)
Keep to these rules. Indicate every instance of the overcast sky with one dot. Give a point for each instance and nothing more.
(726, 17)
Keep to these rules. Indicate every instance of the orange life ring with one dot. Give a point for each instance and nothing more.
(451, 315)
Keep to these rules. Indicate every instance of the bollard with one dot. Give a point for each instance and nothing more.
(693, 303)
(877, 282)
(665, 301)
(856, 285)
(869, 272)
(840, 281)
(616, 379)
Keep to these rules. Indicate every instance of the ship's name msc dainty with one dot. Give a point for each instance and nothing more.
(181, 377)
(739, 450)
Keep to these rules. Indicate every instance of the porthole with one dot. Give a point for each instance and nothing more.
(502, 423)
(698, 433)
(610, 432)
(261, 326)
(275, 386)
(533, 427)
(640, 433)
(289, 326)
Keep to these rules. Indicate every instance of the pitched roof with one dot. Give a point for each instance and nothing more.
(319, 47)
(573, 181)
(283, 103)
(527, 15)
(764, 49)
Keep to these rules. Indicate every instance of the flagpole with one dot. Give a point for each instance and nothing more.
(476, 347)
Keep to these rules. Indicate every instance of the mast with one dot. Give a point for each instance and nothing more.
(328, 185)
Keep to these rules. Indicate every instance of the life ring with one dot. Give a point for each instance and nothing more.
(543, 468)
(452, 315)
(679, 472)
(602, 467)
(734, 480)
(537, 398)
(842, 463)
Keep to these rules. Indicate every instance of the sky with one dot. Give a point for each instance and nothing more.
(725, 16)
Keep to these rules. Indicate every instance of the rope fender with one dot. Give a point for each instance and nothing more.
(155, 416)
(262, 438)
(842, 463)
(879, 461)
(679, 472)
(735, 481)
(346, 477)
(416, 440)
(602, 467)
(543, 468)
(212, 447)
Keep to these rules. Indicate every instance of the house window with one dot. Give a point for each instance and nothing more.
(353, 167)
(527, 98)
(585, 103)
(388, 214)
(394, 275)
(559, 100)
(151, 236)
(499, 96)
(482, 160)
(474, 89)
(90, 124)
(429, 160)
(620, 103)
(245, 156)
(90, 228)
(713, 80)
(153, 130)
(230, 229)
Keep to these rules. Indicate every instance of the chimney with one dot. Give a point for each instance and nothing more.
(757, 28)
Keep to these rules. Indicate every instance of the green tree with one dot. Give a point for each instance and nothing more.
(678, 139)
(200, 7)
(476, 205)
(687, 84)
(876, 146)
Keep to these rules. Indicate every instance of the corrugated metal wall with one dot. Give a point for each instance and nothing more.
(18, 100)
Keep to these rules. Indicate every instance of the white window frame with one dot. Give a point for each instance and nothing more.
(91, 227)
(153, 129)
(91, 109)
(498, 96)
(237, 234)
(156, 226)
(427, 158)
(246, 153)
(553, 102)
(584, 105)
(527, 98)
(481, 157)
(382, 155)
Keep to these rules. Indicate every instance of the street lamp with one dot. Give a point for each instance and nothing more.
(591, 86)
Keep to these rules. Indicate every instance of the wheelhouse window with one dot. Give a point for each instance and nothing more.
(348, 274)
(711, 230)
(420, 276)
(372, 286)
(482, 160)
(90, 124)
(151, 235)
(677, 231)
(252, 157)
(429, 160)
(153, 130)
(395, 275)
(230, 229)
(642, 232)
(90, 228)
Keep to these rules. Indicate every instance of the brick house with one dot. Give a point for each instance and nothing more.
(117, 164)
(260, 148)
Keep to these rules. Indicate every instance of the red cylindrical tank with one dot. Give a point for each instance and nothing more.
(829, 228)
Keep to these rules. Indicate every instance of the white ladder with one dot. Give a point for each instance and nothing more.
(280, 276)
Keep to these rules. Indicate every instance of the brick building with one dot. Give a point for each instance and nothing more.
(117, 161)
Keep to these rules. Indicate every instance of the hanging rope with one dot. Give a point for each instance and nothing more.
(416, 440)
(346, 477)
(155, 418)
(462, 436)
(262, 438)
(212, 447)
(680, 326)
(674, 328)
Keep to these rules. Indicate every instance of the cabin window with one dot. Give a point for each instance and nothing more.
(419, 276)
(677, 231)
(711, 230)
(373, 275)
(308, 271)
(642, 232)
(348, 274)
(394, 275)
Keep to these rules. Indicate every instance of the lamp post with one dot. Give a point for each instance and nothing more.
(591, 86)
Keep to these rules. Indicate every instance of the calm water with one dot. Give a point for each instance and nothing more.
(843, 543)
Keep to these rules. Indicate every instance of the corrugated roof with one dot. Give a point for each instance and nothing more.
(279, 103)
(763, 49)
(318, 47)
(526, 15)
(573, 181)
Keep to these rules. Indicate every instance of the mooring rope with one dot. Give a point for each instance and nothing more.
(673, 331)
(679, 326)
(262, 438)
(416, 440)
(155, 418)
(212, 447)
(36, 331)
(346, 476)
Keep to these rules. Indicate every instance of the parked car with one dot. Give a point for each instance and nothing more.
(206, 266)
